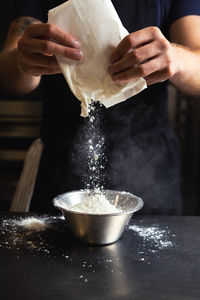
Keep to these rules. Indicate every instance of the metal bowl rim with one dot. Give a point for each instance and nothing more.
(140, 204)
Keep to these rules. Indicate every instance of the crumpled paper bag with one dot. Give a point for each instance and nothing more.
(96, 24)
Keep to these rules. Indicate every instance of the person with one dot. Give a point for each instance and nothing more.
(141, 148)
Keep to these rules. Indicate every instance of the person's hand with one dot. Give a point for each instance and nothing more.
(144, 53)
(40, 43)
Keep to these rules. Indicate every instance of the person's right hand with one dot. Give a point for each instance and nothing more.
(40, 43)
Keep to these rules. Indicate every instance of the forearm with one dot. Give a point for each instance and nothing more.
(187, 62)
(13, 80)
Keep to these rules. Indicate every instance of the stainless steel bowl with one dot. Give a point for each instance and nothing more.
(98, 229)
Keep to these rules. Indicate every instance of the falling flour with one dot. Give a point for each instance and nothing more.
(94, 204)
(94, 152)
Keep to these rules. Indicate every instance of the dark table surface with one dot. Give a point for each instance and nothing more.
(158, 257)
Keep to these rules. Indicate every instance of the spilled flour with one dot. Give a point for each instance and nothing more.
(32, 223)
(47, 237)
(153, 235)
(33, 232)
(27, 233)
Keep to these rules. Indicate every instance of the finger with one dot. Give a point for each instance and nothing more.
(51, 71)
(38, 71)
(39, 60)
(140, 71)
(137, 56)
(135, 40)
(32, 45)
(159, 76)
(53, 32)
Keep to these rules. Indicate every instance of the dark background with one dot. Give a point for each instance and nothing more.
(20, 120)
(6, 11)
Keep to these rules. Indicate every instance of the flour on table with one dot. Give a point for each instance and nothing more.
(28, 232)
(33, 223)
(154, 235)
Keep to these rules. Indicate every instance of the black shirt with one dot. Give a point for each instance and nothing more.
(141, 148)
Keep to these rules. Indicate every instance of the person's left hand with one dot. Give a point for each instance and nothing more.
(145, 53)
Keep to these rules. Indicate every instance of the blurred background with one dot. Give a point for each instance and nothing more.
(20, 121)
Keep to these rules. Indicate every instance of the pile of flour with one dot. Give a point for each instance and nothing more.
(28, 232)
(94, 204)
(33, 223)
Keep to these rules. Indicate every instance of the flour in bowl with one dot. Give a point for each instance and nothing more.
(94, 204)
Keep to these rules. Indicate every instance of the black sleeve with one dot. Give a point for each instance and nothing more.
(182, 8)
(29, 8)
